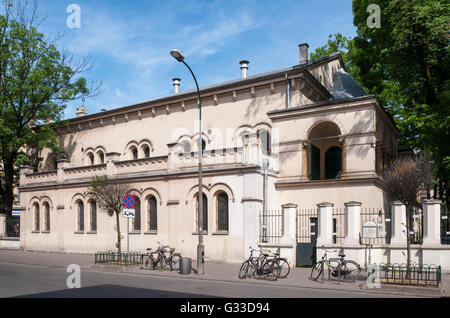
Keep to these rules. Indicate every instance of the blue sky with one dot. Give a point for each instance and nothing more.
(129, 41)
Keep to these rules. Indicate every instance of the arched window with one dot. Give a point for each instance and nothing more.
(80, 216)
(134, 152)
(101, 157)
(324, 153)
(93, 208)
(244, 137)
(222, 211)
(264, 138)
(186, 148)
(333, 163)
(315, 163)
(205, 212)
(203, 144)
(152, 214)
(146, 150)
(46, 217)
(137, 214)
(36, 217)
(91, 158)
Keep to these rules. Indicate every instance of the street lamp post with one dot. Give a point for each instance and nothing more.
(200, 247)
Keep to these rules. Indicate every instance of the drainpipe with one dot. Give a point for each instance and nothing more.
(288, 91)
(265, 166)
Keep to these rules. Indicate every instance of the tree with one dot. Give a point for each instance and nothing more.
(109, 194)
(36, 82)
(405, 180)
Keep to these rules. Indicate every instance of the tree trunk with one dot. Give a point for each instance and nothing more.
(119, 243)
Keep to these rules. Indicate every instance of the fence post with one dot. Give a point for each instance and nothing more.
(398, 224)
(431, 254)
(352, 223)
(2, 225)
(431, 222)
(325, 226)
(289, 230)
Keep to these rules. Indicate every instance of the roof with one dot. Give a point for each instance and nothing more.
(344, 86)
(223, 84)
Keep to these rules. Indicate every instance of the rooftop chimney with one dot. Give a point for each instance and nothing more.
(176, 85)
(303, 52)
(81, 111)
(244, 68)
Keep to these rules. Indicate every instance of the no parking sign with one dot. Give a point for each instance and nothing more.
(128, 203)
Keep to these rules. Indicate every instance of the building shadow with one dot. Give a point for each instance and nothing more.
(113, 291)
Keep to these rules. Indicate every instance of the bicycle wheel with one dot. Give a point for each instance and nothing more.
(164, 262)
(271, 270)
(244, 270)
(284, 267)
(175, 262)
(316, 271)
(350, 271)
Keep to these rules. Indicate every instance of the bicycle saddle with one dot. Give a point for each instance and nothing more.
(341, 255)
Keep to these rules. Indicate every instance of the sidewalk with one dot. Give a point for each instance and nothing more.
(214, 271)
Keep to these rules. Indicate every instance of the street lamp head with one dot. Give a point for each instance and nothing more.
(177, 55)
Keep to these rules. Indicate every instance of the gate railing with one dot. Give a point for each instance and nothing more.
(416, 227)
(338, 225)
(12, 227)
(383, 222)
(270, 226)
(307, 225)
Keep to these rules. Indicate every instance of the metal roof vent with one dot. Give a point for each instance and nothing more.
(244, 68)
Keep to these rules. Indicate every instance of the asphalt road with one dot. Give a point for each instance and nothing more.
(17, 280)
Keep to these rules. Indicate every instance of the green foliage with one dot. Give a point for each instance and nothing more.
(36, 82)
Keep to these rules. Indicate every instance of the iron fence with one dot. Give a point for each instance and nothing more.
(338, 225)
(307, 225)
(270, 226)
(445, 226)
(12, 227)
(415, 231)
(418, 275)
(122, 259)
(383, 225)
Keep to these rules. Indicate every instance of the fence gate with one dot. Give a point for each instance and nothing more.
(307, 228)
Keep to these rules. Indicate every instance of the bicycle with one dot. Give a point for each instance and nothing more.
(173, 260)
(260, 267)
(149, 258)
(159, 257)
(282, 263)
(347, 269)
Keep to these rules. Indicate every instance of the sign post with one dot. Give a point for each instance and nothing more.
(128, 212)
(370, 231)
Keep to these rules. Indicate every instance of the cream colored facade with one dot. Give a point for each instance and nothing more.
(234, 114)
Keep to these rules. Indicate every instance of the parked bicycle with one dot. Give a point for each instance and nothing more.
(282, 263)
(348, 270)
(259, 267)
(163, 257)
